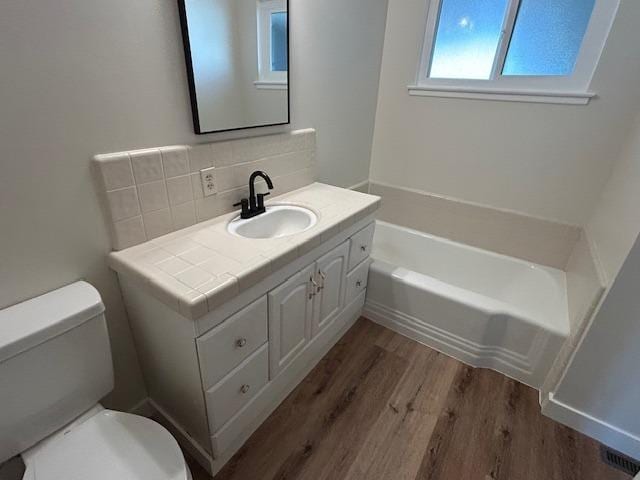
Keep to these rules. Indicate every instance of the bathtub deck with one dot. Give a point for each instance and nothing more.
(380, 406)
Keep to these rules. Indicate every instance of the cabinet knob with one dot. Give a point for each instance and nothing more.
(245, 388)
(358, 283)
(363, 248)
(241, 342)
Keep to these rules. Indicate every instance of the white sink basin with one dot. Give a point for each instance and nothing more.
(278, 221)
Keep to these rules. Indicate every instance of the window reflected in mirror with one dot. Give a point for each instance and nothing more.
(237, 55)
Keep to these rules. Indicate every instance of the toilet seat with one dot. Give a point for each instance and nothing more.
(107, 446)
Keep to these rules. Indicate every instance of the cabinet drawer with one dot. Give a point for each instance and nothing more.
(226, 346)
(360, 246)
(357, 281)
(238, 388)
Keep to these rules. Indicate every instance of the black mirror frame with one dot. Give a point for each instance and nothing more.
(192, 86)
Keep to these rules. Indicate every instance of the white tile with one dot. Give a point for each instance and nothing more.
(174, 161)
(200, 156)
(147, 165)
(219, 264)
(197, 255)
(153, 196)
(221, 153)
(193, 304)
(219, 290)
(196, 184)
(252, 271)
(157, 223)
(183, 215)
(180, 245)
(154, 256)
(173, 265)
(194, 277)
(208, 208)
(128, 233)
(168, 289)
(115, 170)
(179, 189)
(123, 203)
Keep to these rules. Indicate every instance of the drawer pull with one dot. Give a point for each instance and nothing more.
(244, 388)
(363, 248)
(241, 342)
(358, 283)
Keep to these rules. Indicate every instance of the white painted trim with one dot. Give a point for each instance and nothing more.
(512, 86)
(271, 85)
(359, 185)
(142, 408)
(186, 441)
(264, 10)
(604, 432)
(504, 95)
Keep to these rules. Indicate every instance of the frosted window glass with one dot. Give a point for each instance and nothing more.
(279, 49)
(467, 38)
(547, 37)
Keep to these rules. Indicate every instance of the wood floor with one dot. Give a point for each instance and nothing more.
(380, 406)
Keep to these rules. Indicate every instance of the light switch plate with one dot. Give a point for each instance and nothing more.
(208, 180)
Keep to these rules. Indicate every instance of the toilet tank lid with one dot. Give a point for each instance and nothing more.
(27, 324)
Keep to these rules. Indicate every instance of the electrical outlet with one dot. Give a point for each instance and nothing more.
(208, 181)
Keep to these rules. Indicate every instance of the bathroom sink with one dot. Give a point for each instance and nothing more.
(278, 221)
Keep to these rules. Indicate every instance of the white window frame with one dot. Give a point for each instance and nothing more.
(267, 78)
(570, 89)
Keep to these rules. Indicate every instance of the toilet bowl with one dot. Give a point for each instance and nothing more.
(55, 365)
(107, 445)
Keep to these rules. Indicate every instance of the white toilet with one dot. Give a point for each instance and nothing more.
(55, 365)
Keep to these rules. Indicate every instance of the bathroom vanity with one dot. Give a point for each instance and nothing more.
(226, 326)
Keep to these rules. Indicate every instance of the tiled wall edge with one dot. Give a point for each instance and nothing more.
(542, 241)
(583, 268)
(150, 192)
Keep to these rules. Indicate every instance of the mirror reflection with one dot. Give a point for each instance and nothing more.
(237, 54)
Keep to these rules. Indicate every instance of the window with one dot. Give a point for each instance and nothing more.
(273, 45)
(523, 50)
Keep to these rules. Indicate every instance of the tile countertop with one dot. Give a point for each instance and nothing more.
(197, 269)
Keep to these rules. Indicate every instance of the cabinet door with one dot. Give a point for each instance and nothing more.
(329, 294)
(290, 311)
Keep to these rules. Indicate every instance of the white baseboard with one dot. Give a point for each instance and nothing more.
(604, 432)
(143, 408)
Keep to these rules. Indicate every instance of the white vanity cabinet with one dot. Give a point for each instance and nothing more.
(304, 305)
(214, 380)
(290, 311)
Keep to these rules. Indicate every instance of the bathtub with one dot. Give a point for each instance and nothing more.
(485, 309)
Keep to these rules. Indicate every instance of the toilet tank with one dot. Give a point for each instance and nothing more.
(55, 364)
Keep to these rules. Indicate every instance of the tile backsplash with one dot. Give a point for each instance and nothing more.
(151, 192)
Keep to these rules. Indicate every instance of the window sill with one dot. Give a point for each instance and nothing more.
(530, 96)
(270, 85)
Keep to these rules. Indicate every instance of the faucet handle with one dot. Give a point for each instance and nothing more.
(261, 199)
(244, 203)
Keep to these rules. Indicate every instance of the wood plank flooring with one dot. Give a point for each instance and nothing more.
(381, 406)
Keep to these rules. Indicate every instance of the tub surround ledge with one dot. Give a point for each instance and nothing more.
(197, 269)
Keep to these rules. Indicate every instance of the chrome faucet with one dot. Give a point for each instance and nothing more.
(254, 205)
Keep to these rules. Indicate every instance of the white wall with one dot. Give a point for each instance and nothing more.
(615, 222)
(81, 77)
(602, 382)
(544, 160)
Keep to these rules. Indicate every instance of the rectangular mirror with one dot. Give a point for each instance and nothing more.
(237, 55)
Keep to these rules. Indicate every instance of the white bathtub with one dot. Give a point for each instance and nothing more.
(485, 309)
